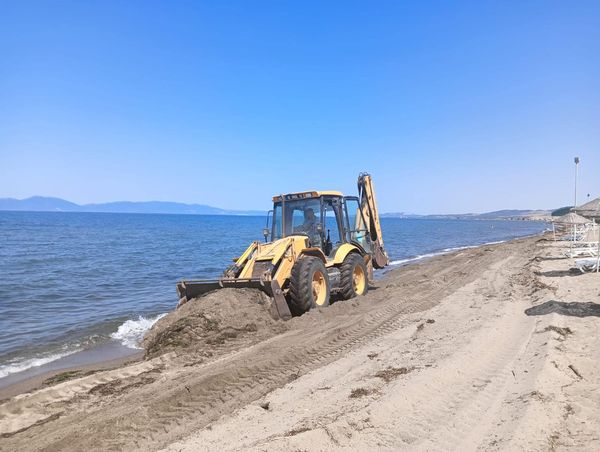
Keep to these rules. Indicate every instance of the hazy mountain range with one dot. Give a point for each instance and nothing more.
(497, 214)
(47, 204)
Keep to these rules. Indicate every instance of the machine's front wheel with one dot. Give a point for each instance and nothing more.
(309, 284)
(353, 276)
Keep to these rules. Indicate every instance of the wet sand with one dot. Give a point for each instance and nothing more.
(441, 354)
(108, 356)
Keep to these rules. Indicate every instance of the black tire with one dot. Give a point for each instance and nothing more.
(349, 289)
(304, 271)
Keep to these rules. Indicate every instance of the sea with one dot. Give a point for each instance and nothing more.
(82, 287)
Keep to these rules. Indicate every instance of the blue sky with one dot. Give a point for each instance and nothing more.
(452, 106)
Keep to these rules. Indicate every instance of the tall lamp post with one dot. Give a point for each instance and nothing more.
(576, 170)
(575, 205)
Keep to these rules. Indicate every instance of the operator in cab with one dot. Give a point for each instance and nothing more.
(309, 226)
(310, 220)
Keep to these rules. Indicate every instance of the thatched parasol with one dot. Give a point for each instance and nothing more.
(589, 209)
(572, 218)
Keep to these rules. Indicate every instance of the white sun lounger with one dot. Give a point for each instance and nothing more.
(581, 252)
(587, 265)
(590, 249)
(570, 238)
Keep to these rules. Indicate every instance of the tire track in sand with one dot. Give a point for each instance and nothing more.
(456, 404)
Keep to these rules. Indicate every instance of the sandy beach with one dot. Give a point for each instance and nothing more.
(443, 354)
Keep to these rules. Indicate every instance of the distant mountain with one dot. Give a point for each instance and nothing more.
(496, 215)
(47, 204)
(153, 207)
(515, 213)
(37, 203)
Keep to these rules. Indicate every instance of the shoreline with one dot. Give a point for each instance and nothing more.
(100, 358)
(111, 355)
(120, 344)
(399, 263)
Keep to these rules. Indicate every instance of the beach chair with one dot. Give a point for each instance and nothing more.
(587, 265)
(588, 249)
(581, 252)
(578, 237)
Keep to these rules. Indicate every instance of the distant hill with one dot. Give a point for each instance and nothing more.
(37, 203)
(516, 214)
(562, 211)
(47, 204)
(496, 215)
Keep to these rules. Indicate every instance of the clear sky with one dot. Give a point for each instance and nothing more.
(452, 106)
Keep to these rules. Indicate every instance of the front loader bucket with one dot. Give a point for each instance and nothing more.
(194, 289)
(188, 290)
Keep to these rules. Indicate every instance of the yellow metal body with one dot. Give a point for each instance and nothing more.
(342, 252)
(370, 212)
(308, 194)
(284, 253)
(319, 288)
(359, 280)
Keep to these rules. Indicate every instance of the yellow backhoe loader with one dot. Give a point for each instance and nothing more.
(317, 243)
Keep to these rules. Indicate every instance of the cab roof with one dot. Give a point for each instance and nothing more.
(306, 195)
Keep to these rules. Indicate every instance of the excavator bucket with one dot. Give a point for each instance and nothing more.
(189, 290)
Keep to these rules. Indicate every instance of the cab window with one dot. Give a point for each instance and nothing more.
(298, 217)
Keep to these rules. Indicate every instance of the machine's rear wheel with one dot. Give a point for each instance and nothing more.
(353, 276)
(309, 284)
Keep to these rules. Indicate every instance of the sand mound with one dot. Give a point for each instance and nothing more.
(226, 315)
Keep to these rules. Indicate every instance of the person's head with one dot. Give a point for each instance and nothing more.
(309, 214)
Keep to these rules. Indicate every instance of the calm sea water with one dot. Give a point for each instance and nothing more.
(71, 281)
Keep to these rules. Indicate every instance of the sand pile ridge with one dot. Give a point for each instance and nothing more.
(219, 317)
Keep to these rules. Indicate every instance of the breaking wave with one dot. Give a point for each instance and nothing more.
(132, 332)
(20, 366)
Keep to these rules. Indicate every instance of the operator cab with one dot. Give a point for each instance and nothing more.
(328, 219)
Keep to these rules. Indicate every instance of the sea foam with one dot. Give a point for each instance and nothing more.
(26, 364)
(132, 332)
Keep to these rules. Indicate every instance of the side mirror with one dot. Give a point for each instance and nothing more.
(266, 229)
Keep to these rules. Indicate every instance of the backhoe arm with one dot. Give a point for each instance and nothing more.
(368, 205)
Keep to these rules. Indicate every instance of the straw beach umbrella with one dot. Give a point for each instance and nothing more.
(573, 219)
(589, 209)
(592, 210)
